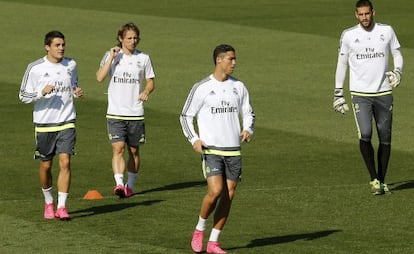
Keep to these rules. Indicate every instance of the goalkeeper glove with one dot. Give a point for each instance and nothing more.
(394, 77)
(339, 103)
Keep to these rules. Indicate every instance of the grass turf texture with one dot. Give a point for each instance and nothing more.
(304, 189)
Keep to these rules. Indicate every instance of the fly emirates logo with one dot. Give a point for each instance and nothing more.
(125, 79)
(225, 107)
(369, 54)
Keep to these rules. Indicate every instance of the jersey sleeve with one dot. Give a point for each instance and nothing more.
(29, 92)
(248, 115)
(394, 43)
(104, 59)
(74, 74)
(342, 64)
(149, 69)
(191, 107)
(395, 51)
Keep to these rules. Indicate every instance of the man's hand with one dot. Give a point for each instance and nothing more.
(339, 103)
(77, 92)
(245, 136)
(48, 89)
(199, 145)
(143, 96)
(394, 77)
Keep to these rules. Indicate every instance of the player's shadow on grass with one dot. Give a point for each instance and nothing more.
(260, 242)
(96, 210)
(175, 186)
(397, 186)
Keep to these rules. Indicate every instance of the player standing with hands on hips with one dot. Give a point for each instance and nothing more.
(366, 48)
(217, 101)
(51, 83)
(131, 82)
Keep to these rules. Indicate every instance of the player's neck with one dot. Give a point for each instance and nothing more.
(127, 51)
(370, 27)
(53, 59)
(220, 76)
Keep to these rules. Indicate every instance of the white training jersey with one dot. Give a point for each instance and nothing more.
(128, 76)
(367, 53)
(56, 108)
(217, 106)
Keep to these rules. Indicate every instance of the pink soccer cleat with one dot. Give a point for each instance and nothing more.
(49, 211)
(119, 191)
(197, 241)
(128, 191)
(62, 214)
(214, 248)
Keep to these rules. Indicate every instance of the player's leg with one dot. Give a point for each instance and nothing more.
(45, 145)
(64, 177)
(118, 167)
(135, 138)
(233, 168)
(65, 147)
(133, 168)
(118, 161)
(232, 177)
(213, 170)
(63, 184)
(383, 117)
(133, 159)
(363, 110)
(45, 174)
(117, 136)
(224, 204)
(215, 187)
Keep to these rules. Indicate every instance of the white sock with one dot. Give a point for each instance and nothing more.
(119, 179)
(62, 196)
(201, 225)
(131, 179)
(48, 194)
(214, 235)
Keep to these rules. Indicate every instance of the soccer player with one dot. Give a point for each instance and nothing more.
(366, 48)
(131, 82)
(51, 83)
(217, 101)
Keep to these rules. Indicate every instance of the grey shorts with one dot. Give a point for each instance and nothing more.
(378, 108)
(132, 132)
(48, 144)
(228, 166)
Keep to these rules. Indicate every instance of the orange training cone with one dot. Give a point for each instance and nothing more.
(93, 194)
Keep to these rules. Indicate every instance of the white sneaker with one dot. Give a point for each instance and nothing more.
(385, 188)
(376, 187)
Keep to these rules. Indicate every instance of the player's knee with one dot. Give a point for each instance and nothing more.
(385, 138)
(365, 138)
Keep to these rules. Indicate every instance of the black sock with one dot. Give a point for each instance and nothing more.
(367, 152)
(384, 152)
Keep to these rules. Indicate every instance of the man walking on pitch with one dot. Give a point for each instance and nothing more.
(51, 83)
(217, 101)
(366, 48)
(131, 82)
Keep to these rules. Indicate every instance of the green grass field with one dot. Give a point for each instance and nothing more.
(305, 188)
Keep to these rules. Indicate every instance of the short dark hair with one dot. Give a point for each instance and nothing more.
(364, 3)
(51, 35)
(220, 49)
